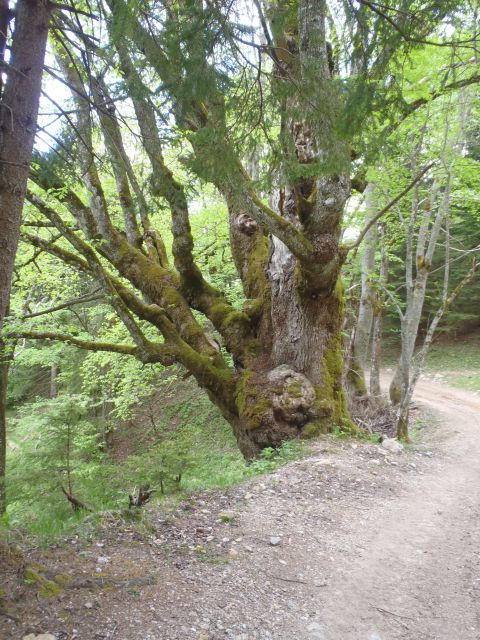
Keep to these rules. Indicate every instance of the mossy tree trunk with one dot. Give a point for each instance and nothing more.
(285, 342)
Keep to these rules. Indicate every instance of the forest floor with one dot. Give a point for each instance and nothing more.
(350, 543)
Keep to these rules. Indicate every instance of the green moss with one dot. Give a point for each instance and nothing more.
(253, 308)
(256, 280)
(47, 588)
(333, 360)
(295, 389)
(330, 407)
(63, 580)
(254, 407)
(315, 428)
(253, 349)
(171, 298)
(323, 406)
(236, 317)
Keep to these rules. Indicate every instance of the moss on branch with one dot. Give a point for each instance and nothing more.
(153, 352)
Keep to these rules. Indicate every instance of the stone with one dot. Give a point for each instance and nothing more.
(275, 541)
(103, 559)
(89, 605)
(392, 445)
(320, 583)
(40, 636)
(233, 553)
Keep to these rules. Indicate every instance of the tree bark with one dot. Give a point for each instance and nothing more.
(375, 362)
(18, 121)
(4, 364)
(363, 330)
(53, 380)
(416, 289)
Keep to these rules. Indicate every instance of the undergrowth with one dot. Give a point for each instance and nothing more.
(190, 449)
(178, 444)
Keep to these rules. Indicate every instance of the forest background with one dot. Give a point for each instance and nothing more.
(206, 180)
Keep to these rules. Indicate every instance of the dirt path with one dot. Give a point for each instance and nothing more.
(418, 576)
(352, 543)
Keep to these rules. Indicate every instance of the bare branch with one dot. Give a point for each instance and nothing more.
(66, 7)
(88, 297)
(387, 208)
(395, 302)
(112, 135)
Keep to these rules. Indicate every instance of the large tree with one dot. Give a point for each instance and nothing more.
(20, 87)
(298, 97)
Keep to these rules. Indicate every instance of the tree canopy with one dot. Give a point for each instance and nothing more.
(276, 115)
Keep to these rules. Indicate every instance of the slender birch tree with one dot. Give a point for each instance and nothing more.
(429, 219)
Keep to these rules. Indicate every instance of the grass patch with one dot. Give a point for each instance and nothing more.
(459, 361)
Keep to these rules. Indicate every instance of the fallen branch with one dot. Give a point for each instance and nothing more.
(75, 502)
(270, 575)
(127, 583)
(390, 613)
